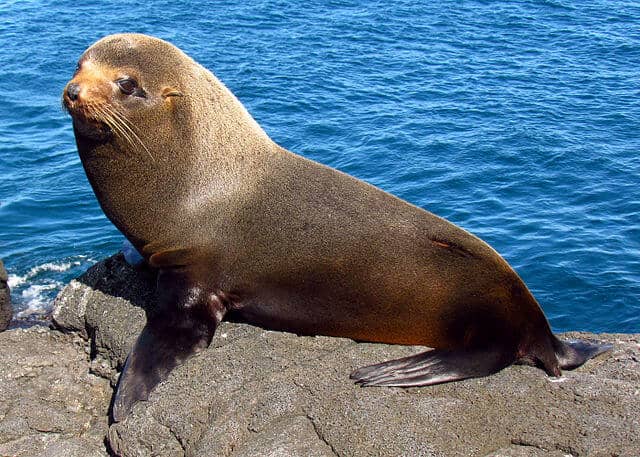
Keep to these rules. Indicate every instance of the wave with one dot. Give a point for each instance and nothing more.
(37, 299)
(17, 280)
(32, 292)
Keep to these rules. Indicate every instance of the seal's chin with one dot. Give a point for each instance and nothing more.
(88, 127)
(91, 128)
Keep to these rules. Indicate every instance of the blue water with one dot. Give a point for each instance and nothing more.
(519, 121)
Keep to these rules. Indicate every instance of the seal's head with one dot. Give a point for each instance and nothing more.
(122, 82)
(145, 97)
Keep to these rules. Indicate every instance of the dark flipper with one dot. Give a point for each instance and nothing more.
(433, 367)
(573, 353)
(183, 324)
(157, 351)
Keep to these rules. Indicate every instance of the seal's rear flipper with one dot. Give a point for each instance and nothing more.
(433, 367)
(573, 353)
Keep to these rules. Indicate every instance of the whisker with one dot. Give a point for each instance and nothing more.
(92, 111)
(117, 122)
(113, 123)
(126, 125)
(125, 131)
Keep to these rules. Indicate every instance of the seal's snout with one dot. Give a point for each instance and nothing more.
(73, 91)
(86, 100)
(71, 97)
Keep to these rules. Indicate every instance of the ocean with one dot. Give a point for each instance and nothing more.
(519, 121)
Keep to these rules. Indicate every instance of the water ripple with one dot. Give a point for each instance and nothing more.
(516, 120)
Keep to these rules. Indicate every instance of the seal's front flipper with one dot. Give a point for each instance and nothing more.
(157, 351)
(433, 367)
(182, 324)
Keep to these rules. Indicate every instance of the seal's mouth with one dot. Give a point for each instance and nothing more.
(89, 119)
(93, 129)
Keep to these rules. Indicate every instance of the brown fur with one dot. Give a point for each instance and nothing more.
(296, 245)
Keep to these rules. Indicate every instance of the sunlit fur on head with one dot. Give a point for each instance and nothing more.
(100, 111)
(181, 98)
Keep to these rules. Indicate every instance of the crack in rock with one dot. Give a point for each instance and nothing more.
(321, 436)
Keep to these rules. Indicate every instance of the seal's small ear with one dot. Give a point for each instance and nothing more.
(171, 92)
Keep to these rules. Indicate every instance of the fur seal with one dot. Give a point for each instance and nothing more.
(236, 224)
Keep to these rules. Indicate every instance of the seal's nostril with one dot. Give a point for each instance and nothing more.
(73, 90)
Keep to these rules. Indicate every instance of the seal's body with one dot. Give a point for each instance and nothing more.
(235, 223)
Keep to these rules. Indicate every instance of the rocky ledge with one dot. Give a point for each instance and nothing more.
(262, 393)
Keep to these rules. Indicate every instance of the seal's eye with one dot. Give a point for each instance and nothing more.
(127, 85)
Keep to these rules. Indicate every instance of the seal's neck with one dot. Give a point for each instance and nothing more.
(157, 194)
(127, 187)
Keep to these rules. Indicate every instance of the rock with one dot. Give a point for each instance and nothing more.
(106, 305)
(261, 393)
(6, 311)
(49, 403)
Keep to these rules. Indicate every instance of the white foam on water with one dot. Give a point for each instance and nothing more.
(33, 291)
(17, 280)
(36, 299)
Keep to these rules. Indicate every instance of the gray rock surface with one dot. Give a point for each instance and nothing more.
(6, 310)
(263, 393)
(50, 405)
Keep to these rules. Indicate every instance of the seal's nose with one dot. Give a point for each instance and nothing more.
(73, 90)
